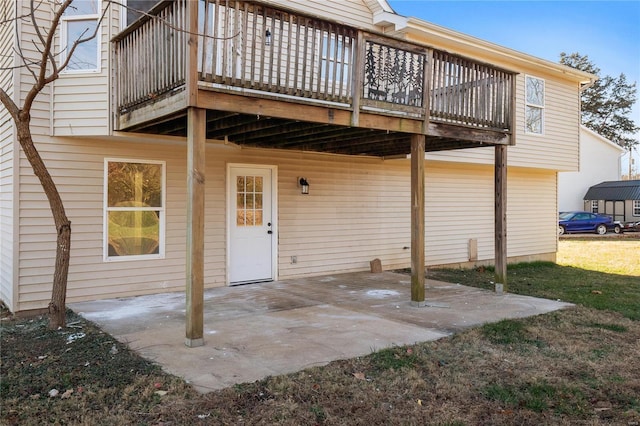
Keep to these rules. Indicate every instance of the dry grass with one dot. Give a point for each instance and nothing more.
(621, 256)
(576, 366)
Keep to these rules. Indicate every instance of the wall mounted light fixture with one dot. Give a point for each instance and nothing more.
(304, 185)
(267, 38)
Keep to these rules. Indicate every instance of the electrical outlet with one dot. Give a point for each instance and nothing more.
(294, 259)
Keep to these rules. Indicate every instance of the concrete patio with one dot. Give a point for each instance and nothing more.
(259, 330)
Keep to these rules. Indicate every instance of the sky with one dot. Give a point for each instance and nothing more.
(608, 32)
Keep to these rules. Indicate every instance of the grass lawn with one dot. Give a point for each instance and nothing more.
(576, 366)
(596, 273)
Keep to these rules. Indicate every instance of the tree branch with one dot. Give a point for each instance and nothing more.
(47, 51)
(9, 104)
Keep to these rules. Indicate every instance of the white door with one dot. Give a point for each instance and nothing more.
(251, 227)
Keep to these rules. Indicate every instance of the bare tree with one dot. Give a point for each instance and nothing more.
(46, 68)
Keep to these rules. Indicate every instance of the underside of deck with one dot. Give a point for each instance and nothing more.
(263, 130)
(246, 73)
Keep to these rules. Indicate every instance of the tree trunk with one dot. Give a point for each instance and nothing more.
(57, 308)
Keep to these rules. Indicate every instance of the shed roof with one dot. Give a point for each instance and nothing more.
(616, 190)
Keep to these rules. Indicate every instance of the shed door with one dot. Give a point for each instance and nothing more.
(251, 228)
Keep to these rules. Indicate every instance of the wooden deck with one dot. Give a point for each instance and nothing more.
(271, 77)
(254, 75)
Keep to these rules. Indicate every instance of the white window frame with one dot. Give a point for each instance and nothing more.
(636, 207)
(123, 14)
(530, 105)
(107, 209)
(64, 21)
(594, 206)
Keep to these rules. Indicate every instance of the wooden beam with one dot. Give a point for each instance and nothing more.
(274, 134)
(417, 220)
(196, 130)
(501, 218)
(467, 133)
(313, 112)
(192, 54)
(357, 79)
(156, 111)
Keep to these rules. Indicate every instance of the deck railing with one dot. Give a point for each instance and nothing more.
(150, 56)
(253, 46)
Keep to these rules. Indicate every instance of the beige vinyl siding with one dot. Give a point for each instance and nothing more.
(358, 209)
(7, 158)
(77, 167)
(460, 206)
(532, 212)
(81, 100)
(40, 111)
(351, 12)
(556, 149)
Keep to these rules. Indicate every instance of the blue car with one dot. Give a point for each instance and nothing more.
(586, 222)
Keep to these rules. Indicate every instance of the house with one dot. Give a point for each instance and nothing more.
(599, 161)
(181, 156)
(619, 199)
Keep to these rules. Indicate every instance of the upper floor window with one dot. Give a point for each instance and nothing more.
(636, 207)
(134, 9)
(80, 21)
(534, 105)
(594, 206)
(134, 213)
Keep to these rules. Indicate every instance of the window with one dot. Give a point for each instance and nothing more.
(79, 21)
(134, 209)
(636, 207)
(131, 10)
(594, 206)
(534, 105)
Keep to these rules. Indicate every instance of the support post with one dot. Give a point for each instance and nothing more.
(191, 76)
(196, 133)
(500, 218)
(417, 220)
(357, 79)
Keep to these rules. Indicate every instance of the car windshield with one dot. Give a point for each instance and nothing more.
(565, 216)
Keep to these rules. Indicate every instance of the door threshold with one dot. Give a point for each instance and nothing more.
(239, 283)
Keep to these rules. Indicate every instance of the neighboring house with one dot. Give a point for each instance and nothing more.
(328, 91)
(619, 199)
(599, 161)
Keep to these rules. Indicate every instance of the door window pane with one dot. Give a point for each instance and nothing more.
(249, 200)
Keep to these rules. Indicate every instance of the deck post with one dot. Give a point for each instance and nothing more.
(196, 133)
(357, 78)
(191, 77)
(417, 220)
(500, 218)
